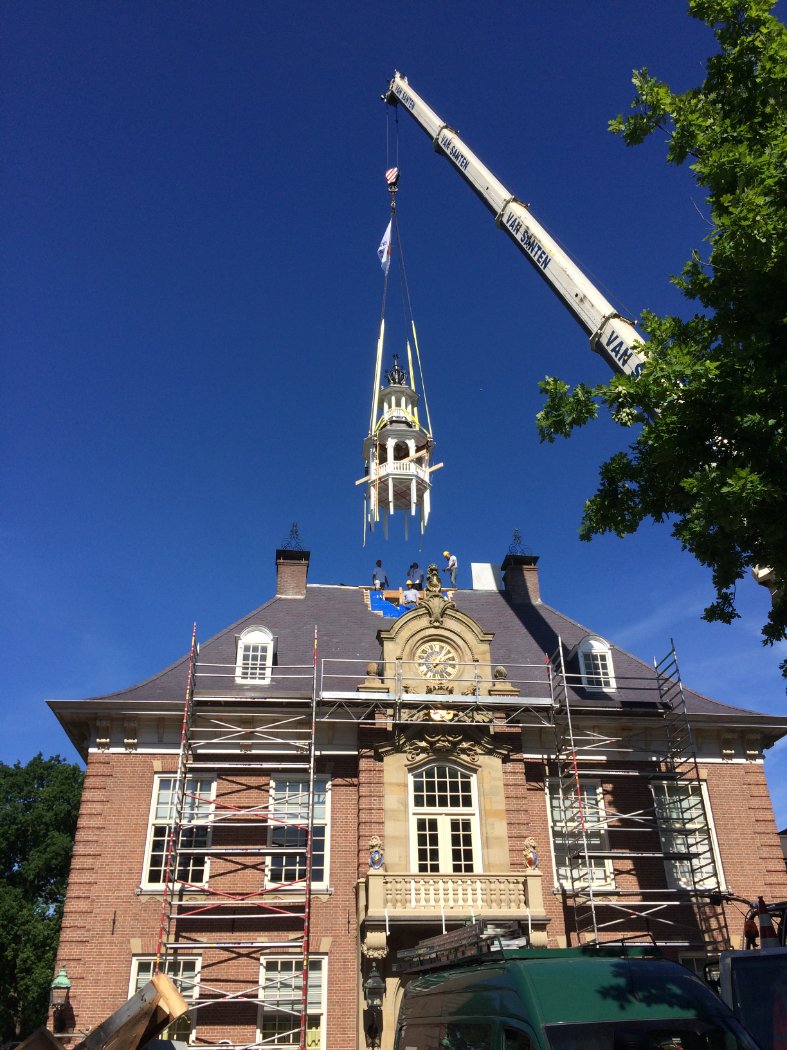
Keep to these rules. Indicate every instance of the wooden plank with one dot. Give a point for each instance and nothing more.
(138, 1020)
(41, 1039)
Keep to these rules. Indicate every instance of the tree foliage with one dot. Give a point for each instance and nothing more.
(711, 404)
(39, 803)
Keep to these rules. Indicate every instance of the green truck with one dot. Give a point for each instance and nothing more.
(594, 998)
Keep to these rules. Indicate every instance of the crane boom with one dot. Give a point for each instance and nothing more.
(611, 335)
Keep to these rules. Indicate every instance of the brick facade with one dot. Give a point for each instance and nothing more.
(111, 917)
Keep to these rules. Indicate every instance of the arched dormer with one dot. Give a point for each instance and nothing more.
(254, 656)
(595, 664)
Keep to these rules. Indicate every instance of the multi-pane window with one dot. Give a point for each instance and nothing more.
(595, 664)
(442, 787)
(281, 995)
(289, 819)
(185, 973)
(684, 831)
(567, 820)
(255, 655)
(195, 830)
(444, 841)
(595, 667)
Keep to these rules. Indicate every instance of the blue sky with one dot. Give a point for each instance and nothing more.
(193, 198)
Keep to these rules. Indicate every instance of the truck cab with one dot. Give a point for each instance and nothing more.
(594, 998)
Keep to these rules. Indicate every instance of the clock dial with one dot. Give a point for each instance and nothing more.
(436, 661)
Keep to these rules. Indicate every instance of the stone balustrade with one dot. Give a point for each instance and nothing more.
(390, 897)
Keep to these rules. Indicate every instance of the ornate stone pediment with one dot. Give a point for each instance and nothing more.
(443, 741)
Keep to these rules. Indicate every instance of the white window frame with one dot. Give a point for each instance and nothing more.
(444, 815)
(670, 866)
(192, 993)
(609, 882)
(594, 643)
(323, 1007)
(154, 823)
(256, 635)
(320, 778)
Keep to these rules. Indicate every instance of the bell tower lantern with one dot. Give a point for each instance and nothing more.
(397, 453)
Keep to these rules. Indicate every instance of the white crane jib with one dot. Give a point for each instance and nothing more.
(611, 335)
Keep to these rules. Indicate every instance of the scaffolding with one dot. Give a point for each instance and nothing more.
(255, 822)
(244, 794)
(668, 823)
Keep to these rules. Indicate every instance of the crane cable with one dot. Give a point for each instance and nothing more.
(406, 291)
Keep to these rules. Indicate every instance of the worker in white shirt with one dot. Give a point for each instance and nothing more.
(379, 579)
(451, 567)
(410, 596)
(417, 576)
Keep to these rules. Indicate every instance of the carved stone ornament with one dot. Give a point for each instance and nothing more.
(434, 584)
(447, 715)
(103, 730)
(376, 858)
(529, 850)
(441, 742)
(433, 601)
(130, 731)
(375, 945)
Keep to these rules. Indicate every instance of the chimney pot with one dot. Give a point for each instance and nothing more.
(292, 568)
(520, 578)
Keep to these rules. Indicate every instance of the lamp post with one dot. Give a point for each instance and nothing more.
(58, 990)
(374, 990)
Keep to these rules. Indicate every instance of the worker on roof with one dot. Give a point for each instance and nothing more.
(410, 596)
(416, 576)
(379, 579)
(451, 567)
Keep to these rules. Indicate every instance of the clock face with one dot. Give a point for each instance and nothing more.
(436, 661)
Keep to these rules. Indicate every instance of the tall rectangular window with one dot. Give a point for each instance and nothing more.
(685, 833)
(282, 991)
(596, 670)
(195, 833)
(566, 821)
(185, 974)
(444, 840)
(289, 818)
(254, 662)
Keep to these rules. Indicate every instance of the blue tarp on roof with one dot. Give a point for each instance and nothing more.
(379, 604)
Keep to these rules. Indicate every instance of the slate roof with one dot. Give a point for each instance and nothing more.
(347, 629)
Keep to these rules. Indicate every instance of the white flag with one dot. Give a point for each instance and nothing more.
(384, 251)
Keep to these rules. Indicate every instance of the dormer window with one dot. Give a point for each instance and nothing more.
(595, 664)
(255, 655)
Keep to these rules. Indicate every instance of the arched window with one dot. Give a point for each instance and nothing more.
(444, 821)
(255, 655)
(595, 663)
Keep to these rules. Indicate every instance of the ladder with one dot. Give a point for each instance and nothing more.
(242, 799)
(668, 823)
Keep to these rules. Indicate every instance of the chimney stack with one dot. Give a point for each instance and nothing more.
(520, 578)
(292, 568)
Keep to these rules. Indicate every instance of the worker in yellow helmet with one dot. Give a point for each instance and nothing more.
(410, 596)
(451, 567)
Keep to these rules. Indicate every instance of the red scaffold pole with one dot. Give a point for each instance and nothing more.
(174, 830)
(308, 903)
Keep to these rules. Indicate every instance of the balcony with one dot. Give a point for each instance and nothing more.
(386, 898)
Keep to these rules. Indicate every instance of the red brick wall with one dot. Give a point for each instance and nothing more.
(103, 911)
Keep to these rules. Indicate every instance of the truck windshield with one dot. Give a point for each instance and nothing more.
(449, 1036)
(759, 995)
(680, 1034)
